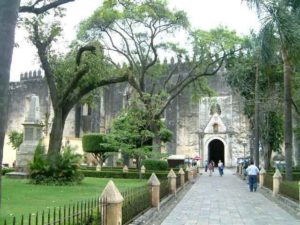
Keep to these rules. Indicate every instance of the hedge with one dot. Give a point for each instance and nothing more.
(151, 164)
(7, 170)
(289, 189)
(120, 174)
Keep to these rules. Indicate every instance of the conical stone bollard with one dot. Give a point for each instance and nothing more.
(154, 189)
(262, 175)
(172, 181)
(143, 169)
(277, 178)
(114, 200)
(181, 174)
(125, 169)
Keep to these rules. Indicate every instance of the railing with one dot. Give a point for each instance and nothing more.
(290, 190)
(86, 212)
(186, 177)
(136, 200)
(268, 182)
(164, 188)
(177, 182)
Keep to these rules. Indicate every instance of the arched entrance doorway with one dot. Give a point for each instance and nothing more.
(216, 151)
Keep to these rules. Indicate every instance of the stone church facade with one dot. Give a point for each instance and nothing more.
(213, 128)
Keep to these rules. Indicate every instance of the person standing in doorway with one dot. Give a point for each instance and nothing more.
(220, 167)
(252, 172)
(211, 167)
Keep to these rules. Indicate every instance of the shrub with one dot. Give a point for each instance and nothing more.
(151, 164)
(7, 170)
(61, 170)
(98, 145)
(15, 139)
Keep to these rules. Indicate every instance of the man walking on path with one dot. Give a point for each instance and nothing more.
(252, 172)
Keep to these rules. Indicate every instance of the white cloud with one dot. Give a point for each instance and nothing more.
(204, 14)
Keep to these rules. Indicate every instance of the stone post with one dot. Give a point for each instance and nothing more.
(114, 200)
(277, 178)
(262, 175)
(172, 181)
(181, 174)
(154, 189)
(190, 173)
(98, 167)
(195, 171)
(125, 169)
(143, 169)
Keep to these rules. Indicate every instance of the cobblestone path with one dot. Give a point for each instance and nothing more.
(226, 200)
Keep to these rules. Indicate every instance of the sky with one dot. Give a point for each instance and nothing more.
(203, 14)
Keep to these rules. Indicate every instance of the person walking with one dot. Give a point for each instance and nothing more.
(221, 168)
(211, 167)
(252, 172)
(205, 165)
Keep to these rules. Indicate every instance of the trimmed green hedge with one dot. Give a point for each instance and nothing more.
(151, 164)
(8, 170)
(120, 174)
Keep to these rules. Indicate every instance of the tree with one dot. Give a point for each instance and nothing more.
(280, 19)
(8, 19)
(139, 32)
(131, 132)
(98, 145)
(69, 77)
(256, 78)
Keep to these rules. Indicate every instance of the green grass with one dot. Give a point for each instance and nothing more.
(20, 197)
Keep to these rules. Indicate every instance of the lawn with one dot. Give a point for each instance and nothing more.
(20, 197)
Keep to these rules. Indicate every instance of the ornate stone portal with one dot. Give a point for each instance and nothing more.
(32, 133)
(222, 136)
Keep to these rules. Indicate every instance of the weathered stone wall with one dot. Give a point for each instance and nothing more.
(184, 117)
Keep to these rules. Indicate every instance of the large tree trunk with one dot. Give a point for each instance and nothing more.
(8, 18)
(56, 134)
(288, 133)
(267, 155)
(256, 119)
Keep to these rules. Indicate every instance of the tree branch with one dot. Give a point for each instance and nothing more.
(85, 90)
(296, 107)
(37, 11)
(42, 52)
(89, 48)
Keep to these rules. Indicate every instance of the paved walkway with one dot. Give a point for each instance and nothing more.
(226, 200)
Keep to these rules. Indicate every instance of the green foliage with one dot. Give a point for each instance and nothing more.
(7, 170)
(290, 189)
(120, 174)
(63, 170)
(15, 139)
(165, 135)
(151, 164)
(131, 132)
(98, 145)
(272, 130)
